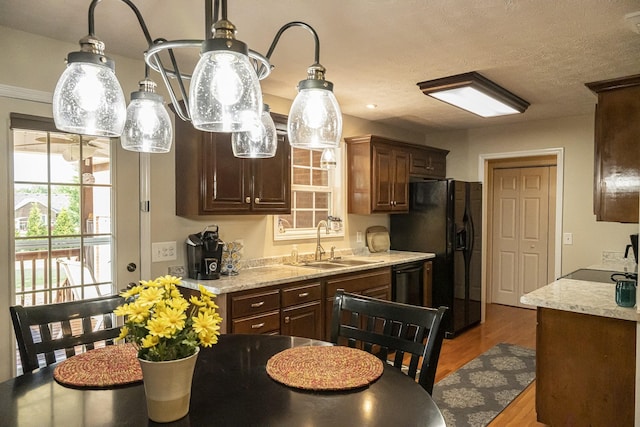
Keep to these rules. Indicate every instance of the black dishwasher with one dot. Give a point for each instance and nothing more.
(407, 283)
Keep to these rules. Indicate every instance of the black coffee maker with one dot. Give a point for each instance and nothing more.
(204, 254)
(634, 246)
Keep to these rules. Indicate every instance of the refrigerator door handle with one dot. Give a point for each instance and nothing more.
(461, 239)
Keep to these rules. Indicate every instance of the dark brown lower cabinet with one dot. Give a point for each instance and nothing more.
(302, 321)
(585, 369)
(374, 283)
(301, 309)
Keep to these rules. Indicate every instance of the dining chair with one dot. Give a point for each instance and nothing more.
(387, 328)
(74, 327)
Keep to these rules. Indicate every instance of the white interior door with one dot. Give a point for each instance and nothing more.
(522, 231)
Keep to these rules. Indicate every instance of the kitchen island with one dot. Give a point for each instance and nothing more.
(585, 354)
(279, 298)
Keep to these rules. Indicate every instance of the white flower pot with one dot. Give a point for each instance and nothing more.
(167, 386)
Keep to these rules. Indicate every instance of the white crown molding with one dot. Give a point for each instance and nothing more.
(25, 94)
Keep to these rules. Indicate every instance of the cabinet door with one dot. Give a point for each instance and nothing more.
(401, 164)
(383, 178)
(376, 283)
(226, 179)
(428, 163)
(617, 164)
(302, 321)
(271, 183)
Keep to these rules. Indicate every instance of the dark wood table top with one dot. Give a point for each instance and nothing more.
(230, 388)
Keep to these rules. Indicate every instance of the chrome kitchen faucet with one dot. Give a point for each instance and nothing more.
(319, 248)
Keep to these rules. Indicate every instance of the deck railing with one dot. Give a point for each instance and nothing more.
(36, 282)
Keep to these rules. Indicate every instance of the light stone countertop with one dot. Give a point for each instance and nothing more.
(267, 275)
(582, 296)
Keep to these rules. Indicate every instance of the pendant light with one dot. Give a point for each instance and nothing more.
(148, 126)
(259, 142)
(328, 159)
(315, 120)
(88, 99)
(225, 92)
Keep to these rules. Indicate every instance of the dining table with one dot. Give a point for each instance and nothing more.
(231, 387)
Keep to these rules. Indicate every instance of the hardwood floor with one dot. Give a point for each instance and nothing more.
(503, 324)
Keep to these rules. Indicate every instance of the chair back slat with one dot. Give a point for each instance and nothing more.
(384, 327)
(70, 326)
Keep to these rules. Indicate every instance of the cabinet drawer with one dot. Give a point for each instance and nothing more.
(254, 303)
(263, 323)
(359, 282)
(301, 294)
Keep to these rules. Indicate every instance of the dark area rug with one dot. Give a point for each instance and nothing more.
(477, 392)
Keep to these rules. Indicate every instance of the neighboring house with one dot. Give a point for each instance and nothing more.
(23, 203)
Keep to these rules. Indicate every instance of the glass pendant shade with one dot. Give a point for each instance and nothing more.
(88, 100)
(148, 126)
(260, 142)
(224, 94)
(328, 159)
(315, 120)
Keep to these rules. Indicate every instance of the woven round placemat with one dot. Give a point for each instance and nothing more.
(324, 368)
(109, 366)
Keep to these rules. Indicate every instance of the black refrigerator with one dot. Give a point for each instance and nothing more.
(445, 218)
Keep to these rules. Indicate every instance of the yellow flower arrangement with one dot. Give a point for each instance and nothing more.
(165, 326)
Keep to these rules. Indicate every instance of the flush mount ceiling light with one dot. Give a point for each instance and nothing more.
(223, 93)
(474, 93)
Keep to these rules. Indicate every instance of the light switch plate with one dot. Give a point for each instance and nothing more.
(163, 251)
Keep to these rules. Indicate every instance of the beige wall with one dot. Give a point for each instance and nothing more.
(575, 135)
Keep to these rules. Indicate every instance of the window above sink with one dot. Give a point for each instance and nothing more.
(315, 196)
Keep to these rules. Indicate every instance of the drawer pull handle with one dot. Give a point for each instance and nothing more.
(303, 294)
(257, 304)
(257, 325)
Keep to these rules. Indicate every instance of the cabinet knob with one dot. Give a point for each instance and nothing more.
(247, 200)
(257, 201)
(287, 319)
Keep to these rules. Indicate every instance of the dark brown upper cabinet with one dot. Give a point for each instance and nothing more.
(211, 180)
(617, 149)
(379, 170)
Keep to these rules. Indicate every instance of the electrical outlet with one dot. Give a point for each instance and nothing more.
(358, 236)
(176, 270)
(567, 238)
(163, 251)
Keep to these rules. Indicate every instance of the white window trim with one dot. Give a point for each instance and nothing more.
(335, 181)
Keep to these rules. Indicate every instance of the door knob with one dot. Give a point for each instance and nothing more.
(131, 267)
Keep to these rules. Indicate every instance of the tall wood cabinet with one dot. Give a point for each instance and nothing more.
(617, 149)
(211, 180)
(379, 170)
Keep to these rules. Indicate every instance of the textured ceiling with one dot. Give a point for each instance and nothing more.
(375, 51)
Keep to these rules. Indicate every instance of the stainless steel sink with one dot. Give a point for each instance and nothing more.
(353, 262)
(324, 265)
(337, 263)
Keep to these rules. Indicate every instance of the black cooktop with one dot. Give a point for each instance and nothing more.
(603, 276)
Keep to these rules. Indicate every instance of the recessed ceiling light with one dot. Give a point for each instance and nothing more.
(371, 106)
(474, 93)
